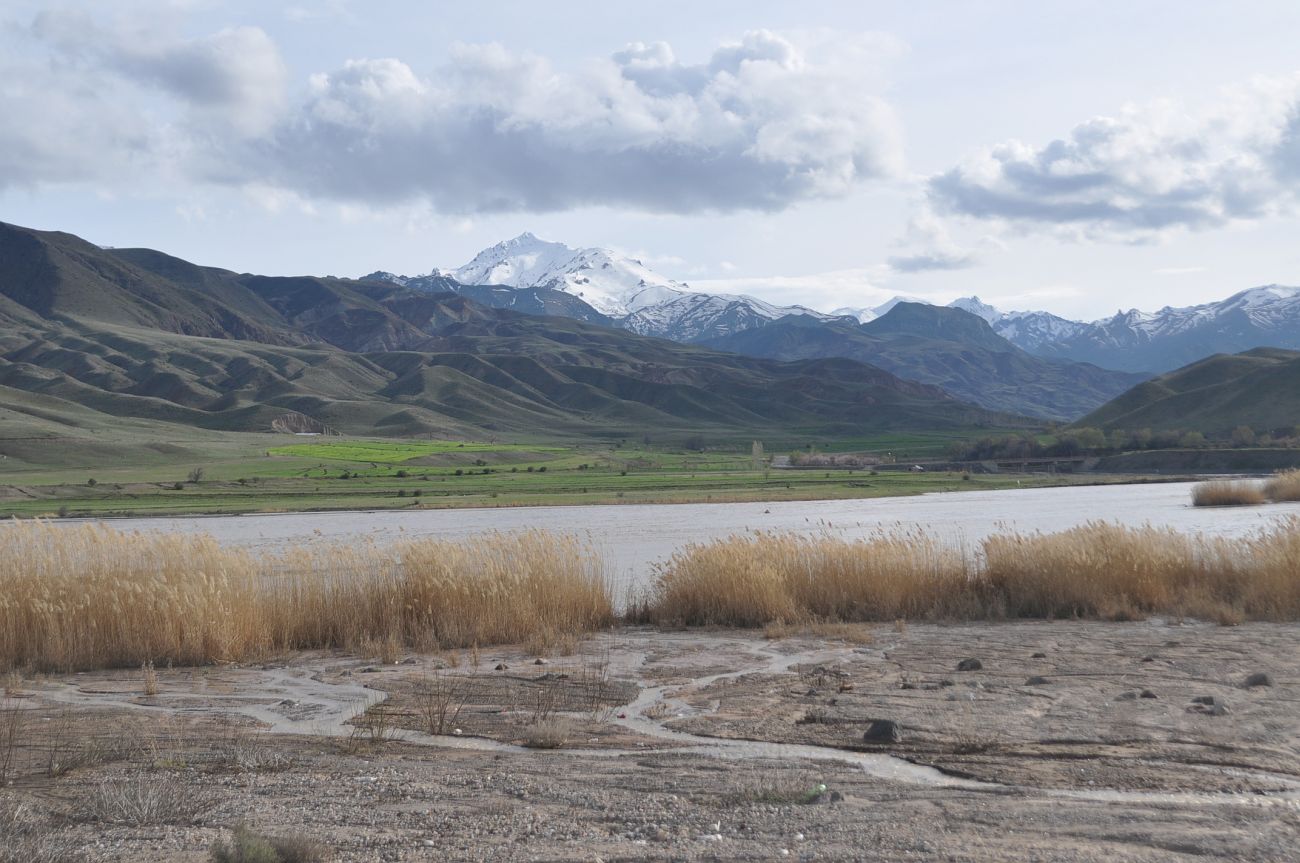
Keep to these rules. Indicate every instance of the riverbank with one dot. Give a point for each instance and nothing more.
(1062, 741)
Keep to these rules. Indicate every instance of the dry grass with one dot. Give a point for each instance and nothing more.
(27, 836)
(1223, 492)
(87, 596)
(849, 633)
(1285, 486)
(549, 733)
(757, 579)
(249, 846)
(1095, 571)
(146, 799)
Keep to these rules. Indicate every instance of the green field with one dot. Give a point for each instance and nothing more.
(392, 452)
(262, 473)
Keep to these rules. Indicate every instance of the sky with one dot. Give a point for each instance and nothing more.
(1078, 157)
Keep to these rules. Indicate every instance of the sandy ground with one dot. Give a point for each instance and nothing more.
(1072, 741)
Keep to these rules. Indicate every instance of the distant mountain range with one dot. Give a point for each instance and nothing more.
(946, 347)
(1005, 372)
(1159, 341)
(137, 334)
(951, 349)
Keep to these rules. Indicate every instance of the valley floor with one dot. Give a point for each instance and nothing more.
(1070, 741)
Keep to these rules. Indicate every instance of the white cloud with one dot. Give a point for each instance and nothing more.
(928, 246)
(1146, 171)
(762, 125)
(823, 291)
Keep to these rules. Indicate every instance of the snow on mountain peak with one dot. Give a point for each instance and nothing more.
(613, 284)
(866, 315)
(976, 307)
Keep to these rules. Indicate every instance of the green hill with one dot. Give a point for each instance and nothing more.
(1258, 388)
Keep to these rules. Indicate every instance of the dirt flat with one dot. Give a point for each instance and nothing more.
(1070, 741)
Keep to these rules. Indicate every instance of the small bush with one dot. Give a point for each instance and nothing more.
(549, 733)
(145, 800)
(248, 846)
(1228, 493)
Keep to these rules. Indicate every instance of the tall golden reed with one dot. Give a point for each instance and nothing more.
(1225, 492)
(764, 577)
(1284, 486)
(1094, 571)
(87, 596)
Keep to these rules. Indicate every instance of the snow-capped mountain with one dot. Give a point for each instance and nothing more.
(604, 286)
(612, 284)
(601, 286)
(976, 307)
(1034, 330)
(1134, 340)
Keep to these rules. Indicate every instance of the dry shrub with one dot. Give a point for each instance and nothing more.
(13, 735)
(549, 733)
(248, 846)
(87, 596)
(1285, 486)
(27, 836)
(147, 799)
(764, 577)
(1098, 571)
(439, 700)
(1223, 492)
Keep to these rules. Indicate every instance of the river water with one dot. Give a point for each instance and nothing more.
(634, 537)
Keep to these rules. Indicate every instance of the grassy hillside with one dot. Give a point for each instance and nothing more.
(90, 334)
(1258, 388)
(945, 347)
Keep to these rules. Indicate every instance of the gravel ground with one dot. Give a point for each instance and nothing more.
(687, 746)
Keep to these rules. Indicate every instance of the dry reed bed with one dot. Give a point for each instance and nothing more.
(1284, 486)
(1095, 571)
(87, 596)
(1228, 492)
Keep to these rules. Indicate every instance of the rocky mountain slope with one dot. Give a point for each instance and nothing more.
(947, 347)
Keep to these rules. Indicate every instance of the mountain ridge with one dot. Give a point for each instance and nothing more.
(211, 348)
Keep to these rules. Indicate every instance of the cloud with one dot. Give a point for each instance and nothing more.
(762, 125)
(1149, 170)
(929, 261)
(930, 247)
(825, 291)
(234, 77)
